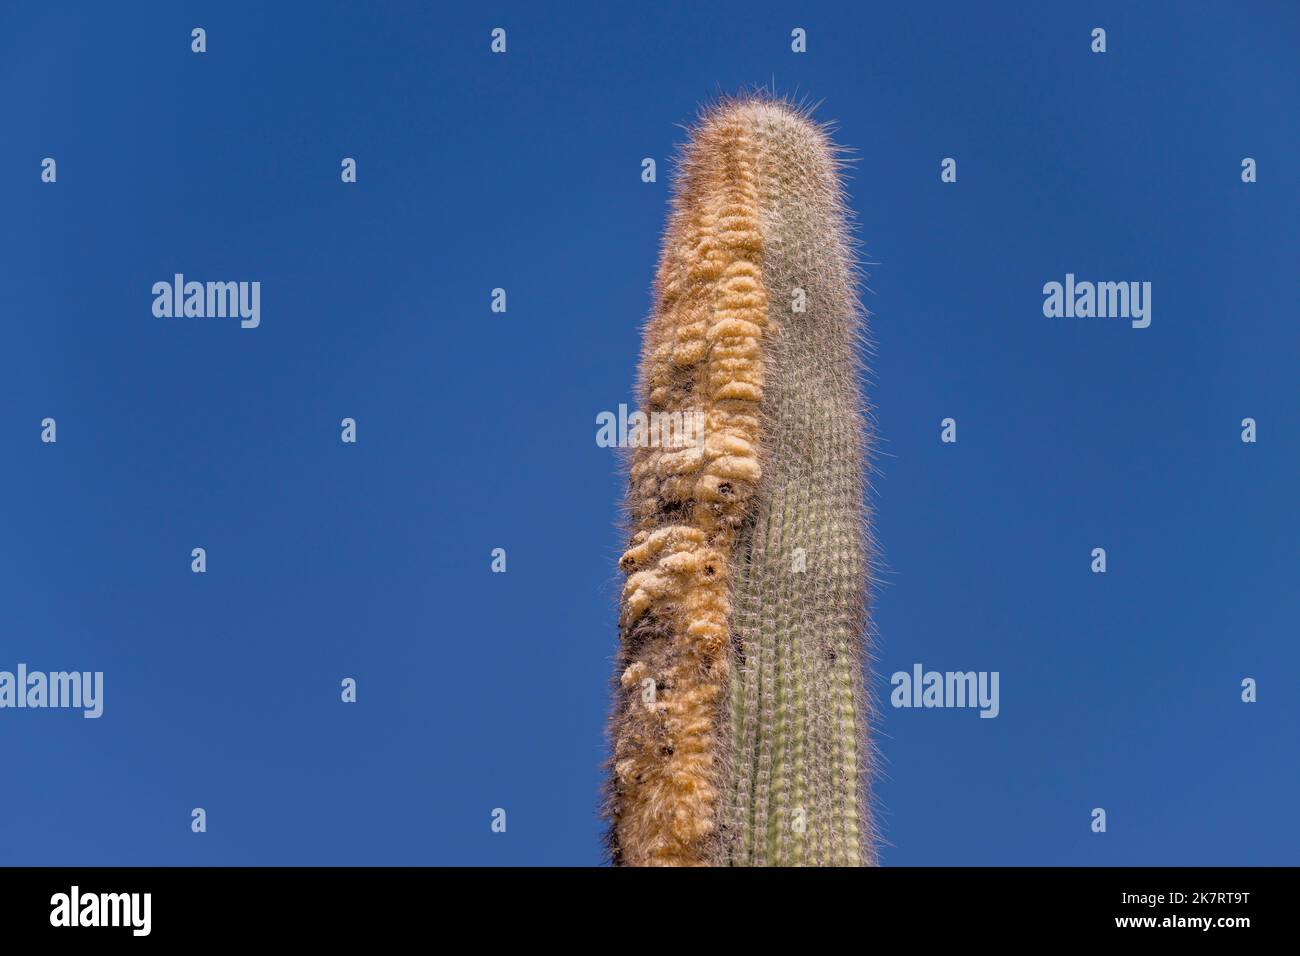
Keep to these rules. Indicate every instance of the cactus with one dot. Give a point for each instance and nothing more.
(739, 723)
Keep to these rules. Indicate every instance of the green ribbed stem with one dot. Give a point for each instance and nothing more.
(797, 708)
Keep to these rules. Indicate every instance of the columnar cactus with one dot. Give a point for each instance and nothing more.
(739, 726)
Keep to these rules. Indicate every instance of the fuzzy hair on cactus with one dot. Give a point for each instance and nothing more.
(739, 726)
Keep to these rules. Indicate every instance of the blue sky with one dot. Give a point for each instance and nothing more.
(476, 430)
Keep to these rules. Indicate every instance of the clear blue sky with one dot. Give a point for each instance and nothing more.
(477, 430)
